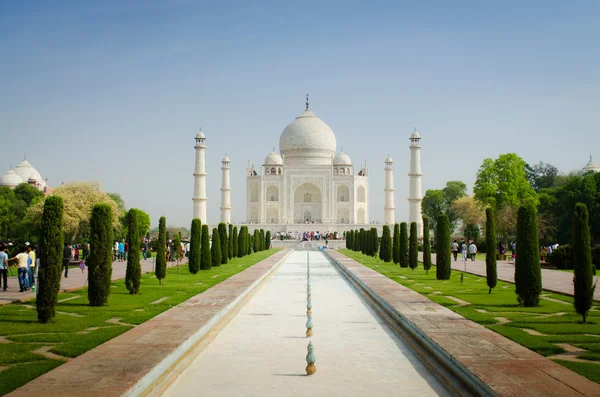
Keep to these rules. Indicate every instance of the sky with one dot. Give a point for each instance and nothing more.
(116, 91)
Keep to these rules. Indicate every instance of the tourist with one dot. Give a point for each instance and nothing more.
(4, 266)
(472, 251)
(145, 250)
(66, 259)
(116, 251)
(549, 249)
(31, 254)
(454, 248)
(463, 250)
(513, 248)
(22, 258)
(121, 251)
(501, 249)
(126, 250)
(82, 266)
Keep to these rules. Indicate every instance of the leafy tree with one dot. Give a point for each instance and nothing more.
(582, 262)
(403, 254)
(194, 257)
(116, 197)
(396, 244)
(437, 202)
(470, 212)
(234, 240)
(99, 261)
(426, 245)
(133, 273)
(29, 194)
(161, 251)
(224, 243)
(230, 242)
(143, 221)
(51, 256)
(491, 272)
(443, 267)
(374, 242)
(413, 247)
(268, 240)
(385, 250)
(528, 273)
(541, 175)
(206, 257)
(215, 249)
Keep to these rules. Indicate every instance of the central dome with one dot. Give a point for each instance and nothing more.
(307, 136)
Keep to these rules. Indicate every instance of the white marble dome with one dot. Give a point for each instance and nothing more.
(273, 159)
(591, 166)
(389, 160)
(10, 179)
(26, 171)
(342, 159)
(307, 136)
(415, 135)
(200, 135)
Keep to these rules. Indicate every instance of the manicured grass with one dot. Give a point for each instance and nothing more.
(558, 322)
(79, 327)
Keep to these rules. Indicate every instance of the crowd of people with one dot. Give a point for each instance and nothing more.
(27, 261)
(306, 236)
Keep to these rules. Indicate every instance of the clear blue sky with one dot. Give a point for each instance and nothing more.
(117, 91)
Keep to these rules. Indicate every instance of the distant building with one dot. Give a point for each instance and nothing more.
(23, 173)
(591, 166)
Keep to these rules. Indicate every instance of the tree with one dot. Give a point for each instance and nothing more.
(262, 239)
(234, 240)
(413, 247)
(205, 251)
(29, 194)
(374, 242)
(51, 257)
(349, 239)
(224, 243)
(268, 240)
(161, 251)
(194, 258)
(242, 248)
(249, 243)
(437, 202)
(363, 241)
(133, 273)
(582, 262)
(426, 245)
(443, 267)
(528, 273)
(385, 250)
(143, 220)
(99, 261)
(541, 175)
(470, 212)
(491, 272)
(256, 241)
(403, 253)
(396, 244)
(230, 242)
(215, 249)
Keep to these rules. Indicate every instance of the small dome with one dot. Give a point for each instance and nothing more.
(225, 159)
(389, 160)
(273, 159)
(415, 135)
(200, 135)
(342, 159)
(10, 179)
(591, 166)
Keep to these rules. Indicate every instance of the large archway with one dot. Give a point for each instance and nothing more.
(307, 204)
(343, 215)
(360, 216)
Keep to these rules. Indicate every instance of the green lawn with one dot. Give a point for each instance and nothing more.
(78, 327)
(556, 322)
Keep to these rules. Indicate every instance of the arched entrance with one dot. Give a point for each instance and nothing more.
(307, 204)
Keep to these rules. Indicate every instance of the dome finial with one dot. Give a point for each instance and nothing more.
(273, 148)
(25, 156)
(342, 148)
(307, 101)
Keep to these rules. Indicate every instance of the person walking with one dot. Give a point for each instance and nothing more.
(4, 266)
(463, 250)
(31, 254)
(454, 248)
(472, 251)
(22, 259)
(121, 251)
(513, 248)
(66, 259)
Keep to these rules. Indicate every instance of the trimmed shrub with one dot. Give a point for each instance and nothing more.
(99, 261)
(133, 272)
(363, 241)
(374, 242)
(491, 272)
(268, 240)
(582, 260)
(224, 243)
(234, 241)
(443, 267)
(562, 257)
(242, 249)
(51, 258)
(194, 258)
(230, 241)
(215, 249)
(249, 244)
(161, 251)
(396, 244)
(403, 252)
(385, 251)
(413, 247)
(177, 248)
(262, 239)
(256, 241)
(205, 254)
(426, 245)
(528, 272)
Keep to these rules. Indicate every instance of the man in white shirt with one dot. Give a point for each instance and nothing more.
(472, 251)
(22, 257)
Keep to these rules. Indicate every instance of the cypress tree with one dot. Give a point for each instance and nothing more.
(413, 247)
(249, 243)
(385, 251)
(268, 240)
(205, 255)
(528, 272)
(177, 248)
(224, 243)
(442, 238)
(241, 242)
(396, 244)
(194, 258)
(230, 241)
(256, 241)
(51, 258)
(99, 261)
(133, 272)
(582, 262)
(374, 242)
(350, 240)
(161, 252)
(403, 252)
(426, 246)
(234, 241)
(215, 249)
(491, 272)
(363, 241)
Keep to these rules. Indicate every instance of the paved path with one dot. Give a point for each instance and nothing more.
(76, 280)
(552, 280)
(262, 351)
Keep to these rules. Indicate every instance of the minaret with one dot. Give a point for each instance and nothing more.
(200, 178)
(225, 192)
(388, 208)
(415, 196)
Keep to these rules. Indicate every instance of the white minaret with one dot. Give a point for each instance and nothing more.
(388, 208)
(200, 178)
(225, 192)
(415, 196)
